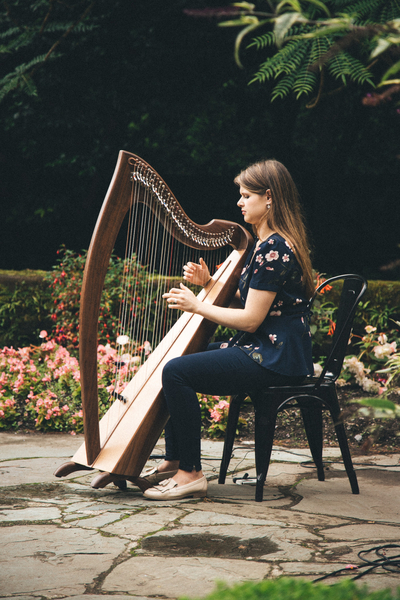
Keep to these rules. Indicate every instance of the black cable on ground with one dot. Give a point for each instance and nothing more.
(389, 563)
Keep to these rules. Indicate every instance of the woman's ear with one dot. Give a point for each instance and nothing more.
(268, 198)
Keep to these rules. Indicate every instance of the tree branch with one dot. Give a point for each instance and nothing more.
(51, 3)
(64, 35)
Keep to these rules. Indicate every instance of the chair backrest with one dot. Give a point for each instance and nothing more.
(354, 287)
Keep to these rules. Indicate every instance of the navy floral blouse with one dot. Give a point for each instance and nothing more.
(282, 343)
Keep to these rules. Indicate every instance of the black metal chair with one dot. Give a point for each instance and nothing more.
(314, 395)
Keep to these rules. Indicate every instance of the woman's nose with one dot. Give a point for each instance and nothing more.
(240, 202)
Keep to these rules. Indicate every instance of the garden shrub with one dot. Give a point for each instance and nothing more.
(379, 307)
(65, 281)
(24, 308)
(298, 589)
(50, 301)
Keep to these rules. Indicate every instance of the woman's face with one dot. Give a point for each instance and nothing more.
(253, 206)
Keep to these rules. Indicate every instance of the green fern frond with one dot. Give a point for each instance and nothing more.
(22, 41)
(391, 11)
(344, 65)
(64, 26)
(307, 78)
(306, 81)
(20, 79)
(9, 33)
(263, 41)
(284, 86)
(374, 11)
(286, 61)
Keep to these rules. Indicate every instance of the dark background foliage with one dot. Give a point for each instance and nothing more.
(147, 78)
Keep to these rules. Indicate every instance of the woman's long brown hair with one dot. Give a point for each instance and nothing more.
(285, 216)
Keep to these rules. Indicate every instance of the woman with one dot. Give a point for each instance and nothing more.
(270, 312)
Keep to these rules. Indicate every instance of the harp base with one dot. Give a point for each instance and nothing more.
(104, 479)
(70, 467)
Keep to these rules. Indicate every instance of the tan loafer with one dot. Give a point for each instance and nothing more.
(169, 490)
(153, 476)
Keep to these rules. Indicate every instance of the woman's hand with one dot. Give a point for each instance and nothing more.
(182, 298)
(196, 273)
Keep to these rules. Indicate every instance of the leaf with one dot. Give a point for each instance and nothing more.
(240, 37)
(380, 403)
(393, 69)
(380, 47)
(244, 20)
(391, 82)
(320, 5)
(245, 5)
(283, 23)
(293, 3)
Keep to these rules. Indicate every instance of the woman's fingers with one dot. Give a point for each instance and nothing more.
(182, 298)
(196, 273)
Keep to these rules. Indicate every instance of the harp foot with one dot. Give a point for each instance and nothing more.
(103, 479)
(70, 467)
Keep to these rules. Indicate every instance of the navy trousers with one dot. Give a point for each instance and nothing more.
(218, 372)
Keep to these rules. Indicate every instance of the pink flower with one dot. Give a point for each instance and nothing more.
(222, 404)
(272, 337)
(215, 415)
(43, 334)
(285, 258)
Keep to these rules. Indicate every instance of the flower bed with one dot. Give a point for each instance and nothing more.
(40, 389)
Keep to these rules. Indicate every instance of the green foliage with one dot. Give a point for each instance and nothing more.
(41, 25)
(381, 304)
(314, 42)
(381, 408)
(297, 589)
(24, 312)
(66, 283)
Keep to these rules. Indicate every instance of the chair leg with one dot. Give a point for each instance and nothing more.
(334, 409)
(233, 417)
(312, 419)
(265, 420)
(348, 463)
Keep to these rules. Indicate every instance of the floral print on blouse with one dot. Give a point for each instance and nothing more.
(282, 343)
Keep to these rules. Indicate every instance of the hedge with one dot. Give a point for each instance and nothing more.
(299, 589)
(25, 303)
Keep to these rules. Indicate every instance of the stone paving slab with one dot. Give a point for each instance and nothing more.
(42, 559)
(174, 577)
(379, 498)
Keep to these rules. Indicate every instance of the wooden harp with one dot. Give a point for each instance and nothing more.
(120, 443)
